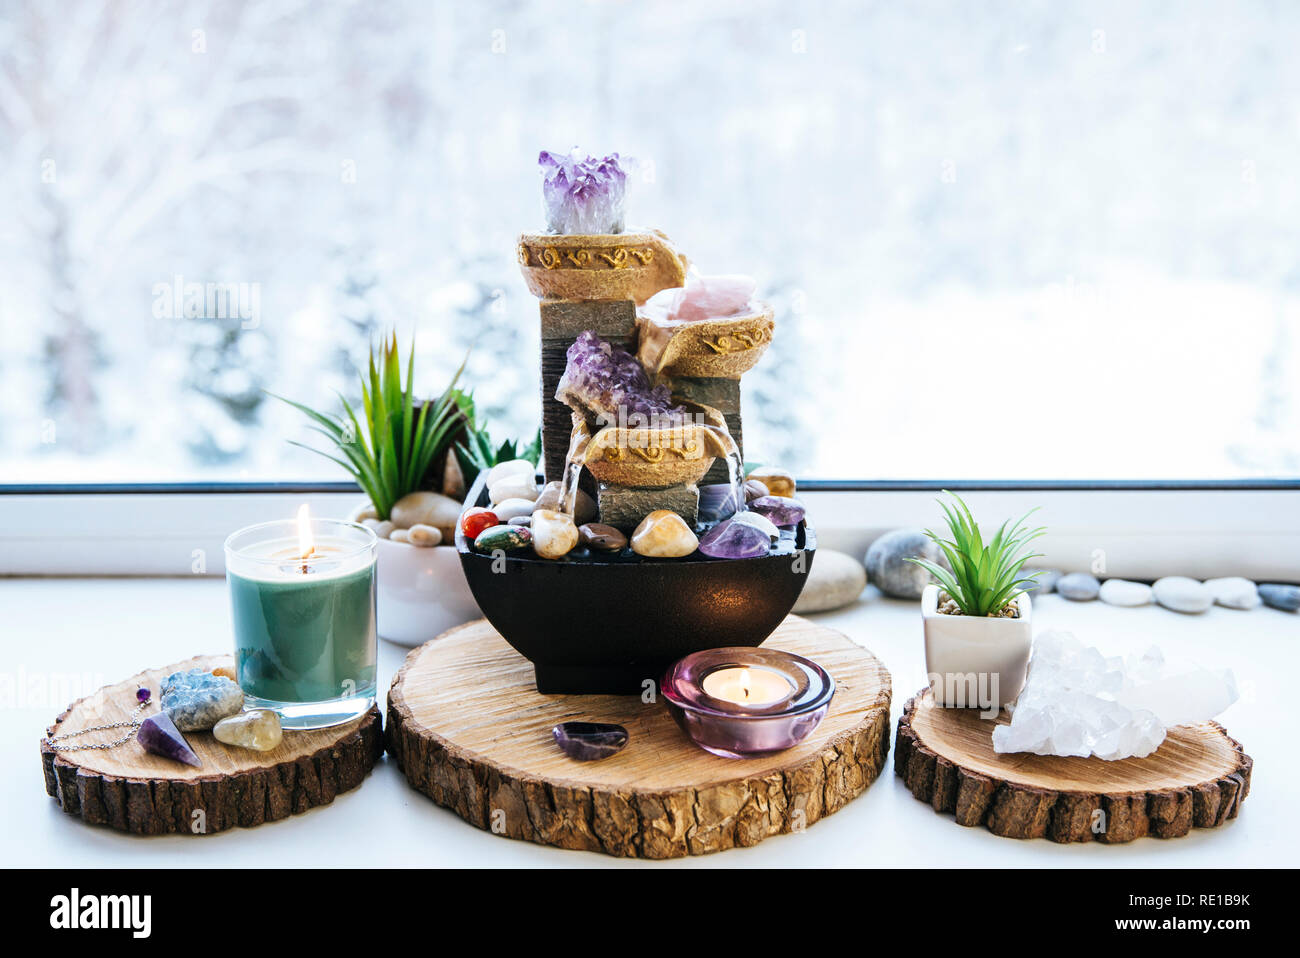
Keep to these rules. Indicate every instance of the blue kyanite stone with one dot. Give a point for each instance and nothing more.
(197, 700)
(159, 735)
(588, 741)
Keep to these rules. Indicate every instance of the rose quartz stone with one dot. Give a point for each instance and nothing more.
(704, 297)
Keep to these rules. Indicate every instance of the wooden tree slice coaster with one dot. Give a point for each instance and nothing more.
(469, 729)
(1198, 777)
(131, 790)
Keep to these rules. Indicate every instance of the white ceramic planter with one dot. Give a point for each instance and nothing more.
(421, 592)
(973, 660)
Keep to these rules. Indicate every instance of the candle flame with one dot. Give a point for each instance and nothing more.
(743, 681)
(305, 544)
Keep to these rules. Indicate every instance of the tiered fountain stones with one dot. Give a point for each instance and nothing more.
(562, 321)
(589, 282)
(595, 282)
(724, 396)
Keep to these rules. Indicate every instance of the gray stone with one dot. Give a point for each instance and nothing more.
(196, 700)
(1234, 592)
(1044, 583)
(565, 320)
(1181, 594)
(1284, 597)
(623, 507)
(835, 580)
(1125, 593)
(722, 394)
(1078, 587)
(889, 570)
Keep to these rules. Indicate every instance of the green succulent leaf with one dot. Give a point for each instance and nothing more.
(985, 577)
(479, 453)
(389, 447)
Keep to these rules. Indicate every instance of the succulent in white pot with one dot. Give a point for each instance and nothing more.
(977, 618)
(400, 452)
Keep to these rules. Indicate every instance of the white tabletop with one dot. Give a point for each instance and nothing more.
(103, 630)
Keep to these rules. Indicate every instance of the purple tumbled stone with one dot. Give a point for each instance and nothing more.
(588, 741)
(782, 510)
(582, 194)
(142, 695)
(609, 383)
(730, 539)
(160, 736)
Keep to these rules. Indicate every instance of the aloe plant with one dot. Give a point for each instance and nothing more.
(390, 456)
(984, 578)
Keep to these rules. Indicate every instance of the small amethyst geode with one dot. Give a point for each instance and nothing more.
(582, 194)
(609, 384)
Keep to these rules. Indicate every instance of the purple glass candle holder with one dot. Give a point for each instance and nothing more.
(737, 702)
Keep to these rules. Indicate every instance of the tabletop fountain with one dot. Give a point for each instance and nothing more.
(641, 361)
(638, 573)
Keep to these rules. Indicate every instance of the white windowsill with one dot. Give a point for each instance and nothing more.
(106, 629)
(1134, 534)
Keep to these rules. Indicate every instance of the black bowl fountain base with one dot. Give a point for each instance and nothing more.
(601, 623)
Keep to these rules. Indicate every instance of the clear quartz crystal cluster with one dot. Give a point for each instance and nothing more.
(606, 381)
(1079, 702)
(582, 194)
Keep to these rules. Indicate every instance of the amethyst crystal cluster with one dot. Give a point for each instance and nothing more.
(609, 384)
(582, 194)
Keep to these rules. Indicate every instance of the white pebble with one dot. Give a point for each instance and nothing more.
(429, 509)
(1181, 594)
(399, 535)
(835, 580)
(513, 487)
(520, 469)
(1125, 593)
(363, 510)
(424, 536)
(507, 509)
(760, 522)
(1234, 592)
(383, 529)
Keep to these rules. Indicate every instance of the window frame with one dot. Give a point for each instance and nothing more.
(1135, 528)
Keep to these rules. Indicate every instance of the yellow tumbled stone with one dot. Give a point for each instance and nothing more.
(258, 729)
(778, 481)
(664, 535)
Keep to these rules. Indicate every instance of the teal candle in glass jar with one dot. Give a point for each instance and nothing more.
(302, 601)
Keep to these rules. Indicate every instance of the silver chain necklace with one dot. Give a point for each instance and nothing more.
(133, 723)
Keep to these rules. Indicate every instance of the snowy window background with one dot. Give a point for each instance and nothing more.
(1007, 241)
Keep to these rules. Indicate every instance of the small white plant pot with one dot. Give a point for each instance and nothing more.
(975, 661)
(421, 592)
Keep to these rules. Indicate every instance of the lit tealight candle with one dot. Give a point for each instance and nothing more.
(740, 701)
(757, 687)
